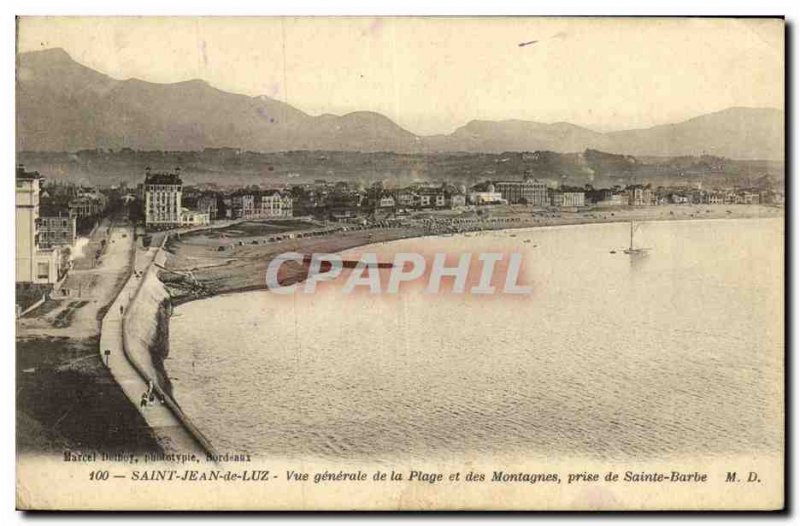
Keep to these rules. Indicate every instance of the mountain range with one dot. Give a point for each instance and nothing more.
(65, 106)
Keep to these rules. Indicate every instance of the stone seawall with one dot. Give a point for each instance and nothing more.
(145, 337)
(147, 327)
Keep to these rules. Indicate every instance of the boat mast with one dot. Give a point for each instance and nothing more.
(631, 235)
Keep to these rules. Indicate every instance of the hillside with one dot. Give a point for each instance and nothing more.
(65, 106)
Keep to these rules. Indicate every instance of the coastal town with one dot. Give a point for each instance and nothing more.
(53, 216)
(83, 252)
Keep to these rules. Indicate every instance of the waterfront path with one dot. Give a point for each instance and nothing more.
(88, 288)
(171, 434)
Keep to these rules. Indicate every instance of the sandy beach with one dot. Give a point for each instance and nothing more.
(208, 262)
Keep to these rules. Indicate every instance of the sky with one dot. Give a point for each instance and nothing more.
(432, 75)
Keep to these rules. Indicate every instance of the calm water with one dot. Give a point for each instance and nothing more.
(679, 352)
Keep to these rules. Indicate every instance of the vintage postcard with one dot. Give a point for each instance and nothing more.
(442, 263)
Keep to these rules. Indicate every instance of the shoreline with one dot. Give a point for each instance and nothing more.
(245, 266)
(250, 263)
(616, 220)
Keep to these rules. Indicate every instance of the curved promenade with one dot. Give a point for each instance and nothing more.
(173, 430)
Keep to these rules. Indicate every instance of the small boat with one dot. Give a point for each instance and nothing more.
(612, 252)
(632, 250)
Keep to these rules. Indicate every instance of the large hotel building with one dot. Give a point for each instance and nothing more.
(528, 191)
(34, 263)
(162, 199)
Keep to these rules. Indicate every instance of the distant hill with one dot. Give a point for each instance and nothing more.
(737, 133)
(62, 105)
(516, 135)
(65, 106)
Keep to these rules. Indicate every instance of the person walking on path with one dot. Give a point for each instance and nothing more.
(151, 395)
(143, 401)
(121, 310)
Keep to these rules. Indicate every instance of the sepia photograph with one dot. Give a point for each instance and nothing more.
(421, 263)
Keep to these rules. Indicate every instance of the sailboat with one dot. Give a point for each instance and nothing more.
(631, 250)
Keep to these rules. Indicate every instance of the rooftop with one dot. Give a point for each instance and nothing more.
(163, 178)
(24, 175)
(529, 181)
(53, 210)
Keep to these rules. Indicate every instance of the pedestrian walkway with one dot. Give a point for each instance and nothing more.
(87, 289)
(171, 434)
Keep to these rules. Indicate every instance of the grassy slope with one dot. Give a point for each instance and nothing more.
(70, 401)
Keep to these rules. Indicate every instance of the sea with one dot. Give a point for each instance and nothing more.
(678, 352)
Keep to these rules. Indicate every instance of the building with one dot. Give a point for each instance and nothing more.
(528, 192)
(385, 201)
(432, 198)
(605, 198)
(27, 221)
(194, 217)
(162, 199)
(343, 204)
(87, 204)
(748, 198)
(275, 204)
(208, 203)
(57, 229)
(34, 264)
(485, 194)
(486, 198)
(639, 195)
(406, 198)
(568, 199)
(242, 206)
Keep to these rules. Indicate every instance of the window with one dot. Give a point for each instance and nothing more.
(43, 270)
